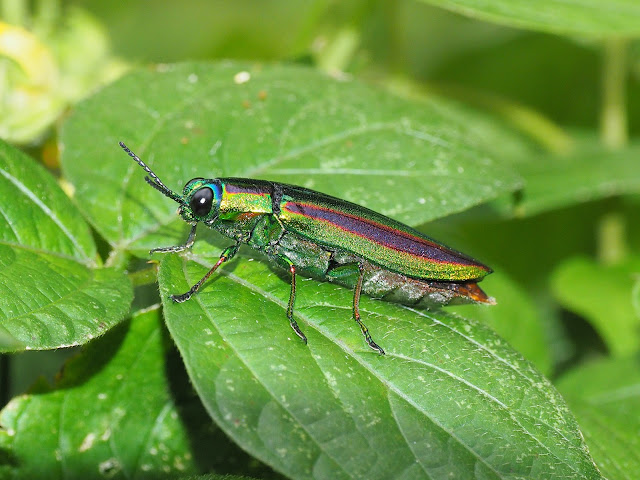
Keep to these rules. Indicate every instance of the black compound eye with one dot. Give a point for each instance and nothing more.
(201, 201)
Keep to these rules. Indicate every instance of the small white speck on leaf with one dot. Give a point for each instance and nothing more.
(241, 77)
(87, 443)
(109, 468)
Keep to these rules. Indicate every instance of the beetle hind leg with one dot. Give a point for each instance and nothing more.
(356, 313)
(292, 300)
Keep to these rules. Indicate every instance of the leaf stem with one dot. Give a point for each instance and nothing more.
(613, 121)
(612, 247)
(339, 52)
(4, 380)
(146, 276)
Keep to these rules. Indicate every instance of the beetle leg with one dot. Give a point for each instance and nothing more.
(292, 299)
(179, 248)
(227, 254)
(356, 312)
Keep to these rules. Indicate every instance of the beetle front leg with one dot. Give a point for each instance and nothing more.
(227, 254)
(178, 248)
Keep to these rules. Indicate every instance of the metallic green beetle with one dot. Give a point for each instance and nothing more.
(326, 238)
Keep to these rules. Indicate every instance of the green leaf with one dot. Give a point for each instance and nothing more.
(49, 302)
(110, 415)
(289, 124)
(586, 17)
(554, 182)
(450, 399)
(605, 396)
(603, 295)
(37, 214)
(527, 333)
(213, 29)
(51, 294)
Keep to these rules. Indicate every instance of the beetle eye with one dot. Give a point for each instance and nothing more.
(201, 201)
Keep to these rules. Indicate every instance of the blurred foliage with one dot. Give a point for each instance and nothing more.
(541, 104)
(49, 59)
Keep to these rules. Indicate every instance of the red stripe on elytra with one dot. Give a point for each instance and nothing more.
(381, 234)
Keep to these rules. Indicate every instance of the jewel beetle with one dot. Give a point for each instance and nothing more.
(326, 238)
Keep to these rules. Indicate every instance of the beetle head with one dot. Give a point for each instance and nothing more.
(201, 200)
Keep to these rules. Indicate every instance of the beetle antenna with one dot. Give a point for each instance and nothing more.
(154, 181)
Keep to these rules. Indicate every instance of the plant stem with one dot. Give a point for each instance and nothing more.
(612, 247)
(47, 16)
(613, 121)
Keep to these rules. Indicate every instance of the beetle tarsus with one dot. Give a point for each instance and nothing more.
(178, 248)
(296, 328)
(367, 336)
(375, 346)
(182, 298)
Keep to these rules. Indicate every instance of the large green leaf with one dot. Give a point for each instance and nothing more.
(555, 182)
(109, 416)
(603, 294)
(605, 397)
(410, 161)
(449, 400)
(51, 293)
(584, 17)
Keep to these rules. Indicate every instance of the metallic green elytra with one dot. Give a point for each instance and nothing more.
(326, 238)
